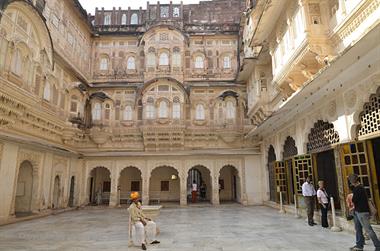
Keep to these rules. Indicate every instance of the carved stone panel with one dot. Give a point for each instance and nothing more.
(370, 117)
(322, 136)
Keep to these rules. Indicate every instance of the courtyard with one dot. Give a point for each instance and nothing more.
(225, 228)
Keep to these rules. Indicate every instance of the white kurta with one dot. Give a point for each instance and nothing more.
(143, 234)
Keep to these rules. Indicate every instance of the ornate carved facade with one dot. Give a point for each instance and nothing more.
(98, 106)
(312, 89)
(93, 107)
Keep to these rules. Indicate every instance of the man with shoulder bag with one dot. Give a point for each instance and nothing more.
(362, 215)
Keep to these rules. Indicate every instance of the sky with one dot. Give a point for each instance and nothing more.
(90, 5)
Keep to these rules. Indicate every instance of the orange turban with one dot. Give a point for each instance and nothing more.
(134, 195)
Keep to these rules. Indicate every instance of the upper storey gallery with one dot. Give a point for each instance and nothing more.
(185, 42)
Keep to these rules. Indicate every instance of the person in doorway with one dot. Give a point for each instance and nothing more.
(194, 192)
(308, 192)
(143, 229)
(361, 215)
(323, 200)
(99, 197)
(203, 191)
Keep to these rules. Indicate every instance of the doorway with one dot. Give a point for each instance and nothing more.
(72, 186)
(290, 178)
(376, 156)
(23, 200)
(56, 192)
(326, 171)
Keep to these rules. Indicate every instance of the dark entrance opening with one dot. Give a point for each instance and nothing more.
(376, 156)
(234, 188)
(327, 172)
(71, 198)
(91, 200)
(290, 179)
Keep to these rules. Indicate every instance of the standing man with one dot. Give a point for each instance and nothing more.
(323, 200)
(361, 215)
(143, 229)
(308, 192)
(194, 190)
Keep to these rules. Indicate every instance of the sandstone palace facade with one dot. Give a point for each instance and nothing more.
(243, 97)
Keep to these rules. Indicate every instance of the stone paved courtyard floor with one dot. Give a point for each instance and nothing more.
(226, 228)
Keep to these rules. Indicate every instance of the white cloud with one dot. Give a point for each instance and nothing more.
(90, 5)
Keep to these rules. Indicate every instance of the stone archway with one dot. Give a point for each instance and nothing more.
(56, 192)
(164, 185)
(99, 186)
(229, 184)
(202, 177)
(24, 189)
(130, 180)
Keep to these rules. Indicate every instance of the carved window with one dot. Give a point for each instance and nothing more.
(124, 19)
(97, 112)
(17, 63)
(176, 12)
(164, 59)
(176, 108)
(117, 109)
(199, 62)
(164, 10)
(55, 95)
(74, 104)
(107, 112)
(163, 88)
(231, 111)
(150, 109)
(226, 62)
(62, 101)
(163, 109)
(107, 19)
(103, 64)
(164, 36)
(134, 19)
(151, 60)
(290, 148)
(164, 186)
(176, 58)
(47, 91)
(322, 136)
(38, 81)
(128, 113)
(200, 112)
(131, 65)
(370, 117)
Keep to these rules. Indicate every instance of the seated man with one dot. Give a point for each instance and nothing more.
(143, 228)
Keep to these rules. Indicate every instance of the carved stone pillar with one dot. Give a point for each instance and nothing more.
(114, 185)
(183, 189)
(145, 189)
(215, 189)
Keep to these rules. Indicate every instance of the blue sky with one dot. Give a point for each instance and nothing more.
(90, 5)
